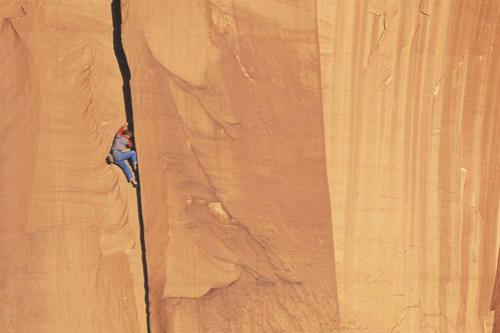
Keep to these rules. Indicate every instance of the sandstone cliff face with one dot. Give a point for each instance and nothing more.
(412, 125)
(268, 131)
(234, 188)
(68, 259)
(227, 112)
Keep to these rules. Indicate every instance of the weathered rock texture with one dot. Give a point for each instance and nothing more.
(412, 124)
(229, 127)
(69, 255)
(227, 112)
(258, 123)
(495, 299)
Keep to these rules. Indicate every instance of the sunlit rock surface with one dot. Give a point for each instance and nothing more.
(69, 255)
(306, 166)
(229, 126)
(410, 93)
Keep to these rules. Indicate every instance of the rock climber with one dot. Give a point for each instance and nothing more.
(122, 152)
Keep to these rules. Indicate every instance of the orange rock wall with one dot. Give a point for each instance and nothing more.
(227, 111)
(410, 93)
(69, 255)
(306, 166)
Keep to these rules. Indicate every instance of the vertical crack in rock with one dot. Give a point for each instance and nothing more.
(127, 97)
(381, 35)
(495, 296)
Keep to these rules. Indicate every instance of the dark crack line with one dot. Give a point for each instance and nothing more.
(380, 37)
(127, 97)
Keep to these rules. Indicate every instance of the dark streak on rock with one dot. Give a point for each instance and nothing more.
(127, 97)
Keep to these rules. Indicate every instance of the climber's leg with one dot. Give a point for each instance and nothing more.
(133, 157)
(126, 169)
(127, 155)
(124, 155)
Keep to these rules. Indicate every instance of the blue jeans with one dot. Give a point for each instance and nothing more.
(121, 159)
